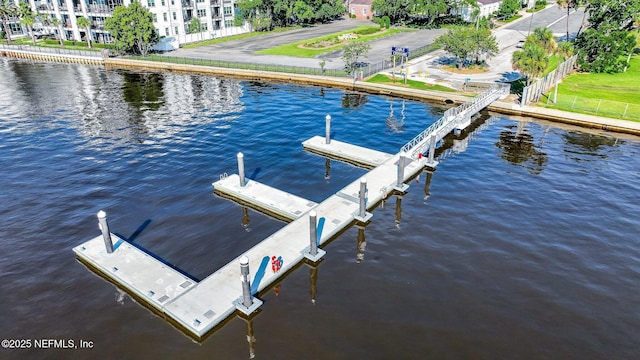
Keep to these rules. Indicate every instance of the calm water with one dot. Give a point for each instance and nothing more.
(522, 245)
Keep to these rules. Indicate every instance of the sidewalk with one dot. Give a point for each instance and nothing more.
(500, 68)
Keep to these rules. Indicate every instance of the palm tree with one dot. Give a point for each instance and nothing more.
(57, 23)
(7, 11)
(85, 23)
(565, 49)
(28, 18)
(543, 37)
(568, 4)
(532, 61)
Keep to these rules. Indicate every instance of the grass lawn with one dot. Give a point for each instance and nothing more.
(622, 87)
(413, 84)
(68, 45)
(297, 49)
(614, 95)
(235, 37)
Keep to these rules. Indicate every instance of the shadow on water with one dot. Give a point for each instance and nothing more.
(255, 173)
(131, 241)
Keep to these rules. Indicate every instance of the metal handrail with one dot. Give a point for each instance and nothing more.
(453, 117)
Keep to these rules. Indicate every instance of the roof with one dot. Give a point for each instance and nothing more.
(360, 2)
(487, 2)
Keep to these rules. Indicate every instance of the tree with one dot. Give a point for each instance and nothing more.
(544, 38)
(508, 8)
(429, 9)
(395, 10)
(532, 61)
(352, 52)
(54, 21)
(8, 10)
(85, 23)
(28, 18)
(132, 28)
(568, 4)
(606, 44)
(463, 42)
(565, 50)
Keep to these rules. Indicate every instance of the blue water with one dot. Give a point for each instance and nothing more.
(523, 244)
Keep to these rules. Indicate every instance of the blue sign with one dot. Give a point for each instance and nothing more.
(399, 51)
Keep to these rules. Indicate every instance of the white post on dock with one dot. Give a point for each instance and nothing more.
(400, 185)
(246, 303)
(328, 129)
(241, 169)
(362, 214)
(313, 253)
(247, 299)
(106, 234)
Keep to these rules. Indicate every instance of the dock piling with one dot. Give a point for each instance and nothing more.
(313, 253)
(362, 214)
(106, 234)
(241, 169)
(246, 283)
(246, 303)
(400, 185)
(328, 129)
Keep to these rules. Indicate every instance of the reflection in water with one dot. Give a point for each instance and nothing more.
(353, 100)
(519, 148)
(143, 91)
(587, 144)
(361, 243)
(120, 296)
(327, 169)
(427, 185)
(245, 219)
(313, 280)
(393, 123)
(251, 339)
(398, 210)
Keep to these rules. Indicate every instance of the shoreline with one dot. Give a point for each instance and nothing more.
(441, 98)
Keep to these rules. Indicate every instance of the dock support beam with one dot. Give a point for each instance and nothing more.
(362, 214)
(432, 152)
(241, 169)
(246, 303)
(400, 185)
(313, 253)
(328, 129)
(106, 234)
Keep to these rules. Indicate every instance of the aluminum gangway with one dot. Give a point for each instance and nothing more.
(455, 118)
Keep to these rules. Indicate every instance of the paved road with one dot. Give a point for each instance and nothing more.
(508, 36)
(242, 50)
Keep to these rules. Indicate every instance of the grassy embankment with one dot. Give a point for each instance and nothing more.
(611, 95)
(413, 84)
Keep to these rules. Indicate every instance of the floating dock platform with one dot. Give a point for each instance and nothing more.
(353, 154)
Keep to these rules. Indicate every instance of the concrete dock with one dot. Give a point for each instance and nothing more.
(353, 154)
(197, 308)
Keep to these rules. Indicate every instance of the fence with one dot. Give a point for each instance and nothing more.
(601, 107)
(370, 69)
(534, 91)
(53, 51)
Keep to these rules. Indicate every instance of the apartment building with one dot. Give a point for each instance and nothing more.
(170, 17)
